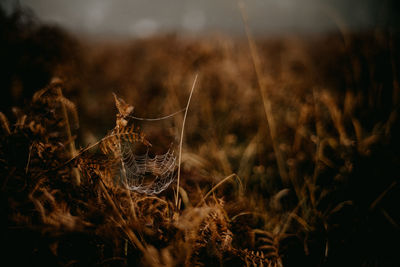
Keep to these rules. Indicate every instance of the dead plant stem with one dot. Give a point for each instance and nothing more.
(181, 141)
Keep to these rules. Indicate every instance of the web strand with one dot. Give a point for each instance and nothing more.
(157, 119)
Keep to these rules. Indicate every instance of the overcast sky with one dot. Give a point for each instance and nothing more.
(145, 17)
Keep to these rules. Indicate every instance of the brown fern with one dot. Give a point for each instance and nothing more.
(111, 142)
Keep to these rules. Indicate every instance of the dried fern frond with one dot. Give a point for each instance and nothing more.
(266, 242)
(90, 165)
(112, 142)
(124, 110)
(212, 235)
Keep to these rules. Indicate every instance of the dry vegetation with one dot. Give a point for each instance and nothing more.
(296, 166)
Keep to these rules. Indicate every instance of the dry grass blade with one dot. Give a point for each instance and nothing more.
(382, 195)
(4, 123)
(72, 149)
(181, 141)
(131, 235)
(233, 175)
(266, 102)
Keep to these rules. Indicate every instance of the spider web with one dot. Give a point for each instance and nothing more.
(146, 174)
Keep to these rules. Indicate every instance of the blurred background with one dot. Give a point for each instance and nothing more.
(141, 18)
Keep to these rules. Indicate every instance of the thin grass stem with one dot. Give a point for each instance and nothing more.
(181, 141)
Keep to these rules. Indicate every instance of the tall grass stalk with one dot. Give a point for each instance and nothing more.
(266, 102)
(180, 143)
(72, 149)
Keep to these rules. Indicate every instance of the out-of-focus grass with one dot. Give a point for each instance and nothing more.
(336, 110)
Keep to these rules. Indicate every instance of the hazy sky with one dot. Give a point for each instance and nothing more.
(145, 17)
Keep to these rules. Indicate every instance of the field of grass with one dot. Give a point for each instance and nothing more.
(289, 156)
